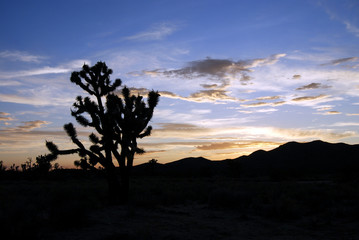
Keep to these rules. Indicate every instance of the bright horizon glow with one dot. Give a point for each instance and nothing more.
(234, 76)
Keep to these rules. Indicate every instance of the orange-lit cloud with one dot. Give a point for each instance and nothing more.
(4, 117)
(210, 95)
(231, 145)
(262, 104)
(333, 112)
(257, 104)
(27, 126)
(268, 98)
(309, 98)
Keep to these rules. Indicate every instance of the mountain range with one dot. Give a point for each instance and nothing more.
(290, 160)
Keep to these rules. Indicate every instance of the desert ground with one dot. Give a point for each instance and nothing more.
(180, 208)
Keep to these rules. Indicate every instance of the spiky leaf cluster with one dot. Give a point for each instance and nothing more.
(131, 116)
(96, 79)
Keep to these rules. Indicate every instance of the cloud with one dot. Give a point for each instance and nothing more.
(352, 28)
(309, 98)
(4, 117)
(9, 83)
(156, 32)
(41, 99)
(313, 86)
(146, 153)
(349, 26)
(179, 130)
(211, 95)
(324, 108)
(313, 134)
(262, 104)
(30, 125)
(268, 98)
(222, 70)
(332, 113)
(345, 124)
(233, 145)
(180, 127)
(21, 56)
(216, 68)
(64, 68)
(201, 111)
(257, 104)
(207, 86)
(27, 126)
(216, 146)
(340, 61)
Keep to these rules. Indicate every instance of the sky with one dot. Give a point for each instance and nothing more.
(234, 76)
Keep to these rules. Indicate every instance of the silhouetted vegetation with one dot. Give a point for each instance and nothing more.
(315, 204)
(118, 123)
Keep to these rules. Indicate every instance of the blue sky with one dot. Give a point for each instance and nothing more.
(234, 76)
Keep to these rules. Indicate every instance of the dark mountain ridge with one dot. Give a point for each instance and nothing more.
(298, 159)
(289, 160)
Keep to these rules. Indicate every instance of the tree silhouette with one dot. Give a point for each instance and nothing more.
(151, 165)
(43, 163)
(117, 122)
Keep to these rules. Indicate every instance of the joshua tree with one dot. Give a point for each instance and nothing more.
(117, 122)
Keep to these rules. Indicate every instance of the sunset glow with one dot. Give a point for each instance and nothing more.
(234, 76)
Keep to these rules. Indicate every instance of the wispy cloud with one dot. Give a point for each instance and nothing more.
(211, 95)
(313, 86)
(262, 104)
(345, 124)
(156, 32)
(234, 145)
(5, 117)
(21, 56)
(340, 61)
(63, 68)
(309, 98)
(268, 98)
(26, 126)
(47, 96)
(324, 108)
(352, 28)
(330, 113)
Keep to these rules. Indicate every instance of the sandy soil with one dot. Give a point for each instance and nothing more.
(199, 222)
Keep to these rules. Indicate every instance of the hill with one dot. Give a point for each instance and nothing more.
(290, 160)
(295, 159)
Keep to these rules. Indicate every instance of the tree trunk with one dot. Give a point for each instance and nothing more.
(114, 187)
(125, 184)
